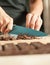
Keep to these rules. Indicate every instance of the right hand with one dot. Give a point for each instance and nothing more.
(6, 22)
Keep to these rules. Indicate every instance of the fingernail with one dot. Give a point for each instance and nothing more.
(32, 27)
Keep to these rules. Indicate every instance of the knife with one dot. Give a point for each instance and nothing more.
(23, 30)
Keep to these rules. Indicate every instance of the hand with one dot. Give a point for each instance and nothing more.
(6, 22)
(33, 21)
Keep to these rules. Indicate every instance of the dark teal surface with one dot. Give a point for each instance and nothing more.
(22, 30)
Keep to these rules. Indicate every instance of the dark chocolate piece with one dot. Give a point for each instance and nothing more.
(25, 37)
(11, 49)
(24, 48)
(37, 45)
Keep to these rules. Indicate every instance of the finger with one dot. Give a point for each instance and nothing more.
(33, 20)
(9, 27)
(38, 24)
(28, 19)
(3, 27)
(1, 21)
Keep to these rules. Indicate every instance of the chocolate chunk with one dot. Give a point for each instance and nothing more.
(11, 49)
(25, 37)
(24, 48)
(1, 51)
(7, 37)
(37, 45)
(44, 49)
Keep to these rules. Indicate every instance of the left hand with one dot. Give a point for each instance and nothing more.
(33, 21)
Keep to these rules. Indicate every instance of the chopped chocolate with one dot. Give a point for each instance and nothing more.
(25, 37)
(7, 37)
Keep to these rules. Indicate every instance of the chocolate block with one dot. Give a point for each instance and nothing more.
(22, 48)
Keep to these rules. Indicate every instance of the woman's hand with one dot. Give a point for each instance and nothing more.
(6, 22)
(33, 21)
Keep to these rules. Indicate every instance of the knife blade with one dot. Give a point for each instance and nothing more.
(23, 30)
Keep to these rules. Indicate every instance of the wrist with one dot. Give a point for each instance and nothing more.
(36, 7)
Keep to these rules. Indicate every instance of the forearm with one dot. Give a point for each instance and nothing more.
(36, 6)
